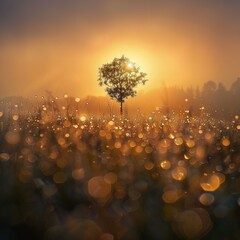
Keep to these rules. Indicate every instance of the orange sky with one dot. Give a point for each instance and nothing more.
(59, 45)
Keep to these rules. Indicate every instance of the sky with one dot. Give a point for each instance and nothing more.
(59, 45)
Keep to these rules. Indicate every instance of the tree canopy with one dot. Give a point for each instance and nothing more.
(121, 77)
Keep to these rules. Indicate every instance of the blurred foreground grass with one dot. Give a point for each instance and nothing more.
(76, 176)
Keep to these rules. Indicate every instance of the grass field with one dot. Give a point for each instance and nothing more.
(77, 176)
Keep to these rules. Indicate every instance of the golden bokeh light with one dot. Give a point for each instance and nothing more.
(206, 199)
(165, 164)
(98, 188)
(179, 173)
(171, 196)
(210, 182)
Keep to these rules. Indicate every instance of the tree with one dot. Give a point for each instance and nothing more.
(208, 94)
(235, 88)
(209, 88)
(121, 77)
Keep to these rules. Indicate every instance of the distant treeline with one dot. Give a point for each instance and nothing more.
(213, 97)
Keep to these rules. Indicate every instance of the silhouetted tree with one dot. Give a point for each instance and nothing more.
(190, 93)
(197, 92)
(235, 88)
(209, 87)
(221, 100)
(121, 77)
(235, 95)
(208, 93)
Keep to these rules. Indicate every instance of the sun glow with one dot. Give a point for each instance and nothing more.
(130, 65)
(140, 55)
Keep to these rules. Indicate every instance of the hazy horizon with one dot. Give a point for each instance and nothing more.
(141, 90)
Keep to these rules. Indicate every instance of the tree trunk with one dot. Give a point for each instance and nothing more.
(121, 108)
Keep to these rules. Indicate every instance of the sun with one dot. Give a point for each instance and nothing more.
(130, 65)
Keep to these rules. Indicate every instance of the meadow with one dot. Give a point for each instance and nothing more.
(74, 175)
